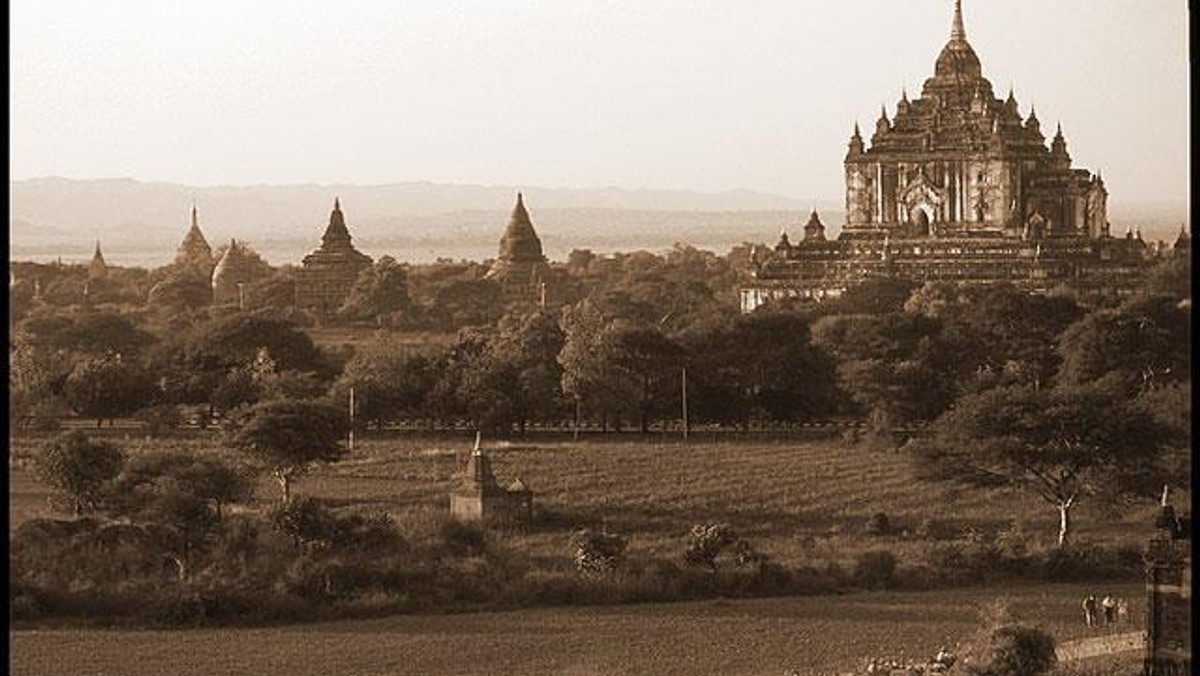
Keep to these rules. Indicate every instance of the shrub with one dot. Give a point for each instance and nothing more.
(462, 539)
(705, 543)
(1012, 541)
(596, 551)
(305, 520)
(878, 524)
(875, 569)
(935, 529)
(160, 419)
(1016, 650)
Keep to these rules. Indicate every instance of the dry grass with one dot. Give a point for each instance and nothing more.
(729, 638)
(800, 502)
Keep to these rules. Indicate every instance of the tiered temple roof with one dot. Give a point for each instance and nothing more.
(194, 251)
(328, 273)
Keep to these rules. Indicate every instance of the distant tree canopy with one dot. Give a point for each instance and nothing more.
(390, 383)
(760, 366)
(93, 333)
(381, 291)
(898, 366)
(210, 362)
(1143, 343)
(109, 387)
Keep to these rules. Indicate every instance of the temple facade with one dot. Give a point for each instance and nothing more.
(957, 185)
(328, 273)
(520, 268)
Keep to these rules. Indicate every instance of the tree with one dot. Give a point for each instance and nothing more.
(381, 290)
(1011, 332)
(180, 292)
(586, 361)
(1060, 444)
(290, 436)
(177, 498)
(897, 365)
(875, 296)
(108, 387)
(79, 467)
(526, 347)
(93, 333)
(389, 383)
(651, 363)
(1144, 343)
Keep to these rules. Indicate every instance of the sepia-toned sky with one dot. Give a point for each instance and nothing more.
(692, 94)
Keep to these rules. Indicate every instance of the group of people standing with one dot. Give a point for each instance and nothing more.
(1108, 611)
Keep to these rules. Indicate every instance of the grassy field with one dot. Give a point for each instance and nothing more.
(729, 638)
(801, 502)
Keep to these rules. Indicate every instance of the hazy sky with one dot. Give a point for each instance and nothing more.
(686, 94)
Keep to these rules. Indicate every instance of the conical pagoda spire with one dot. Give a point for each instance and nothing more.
(336, 236)
(97, 269)
(957, 31)
(520, 242)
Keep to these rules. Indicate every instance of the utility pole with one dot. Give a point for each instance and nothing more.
(352, 418)
(685, 411)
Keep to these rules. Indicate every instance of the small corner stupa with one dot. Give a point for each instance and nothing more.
(479, 497)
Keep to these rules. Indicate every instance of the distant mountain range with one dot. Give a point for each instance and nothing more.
(141, 223)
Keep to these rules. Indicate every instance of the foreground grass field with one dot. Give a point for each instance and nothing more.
(726, 638)
(799, 501)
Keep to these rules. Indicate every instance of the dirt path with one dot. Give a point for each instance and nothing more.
(1097, 646)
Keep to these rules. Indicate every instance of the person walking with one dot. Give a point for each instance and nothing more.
(1122, 611)
(1089, 610)
(1109, 605)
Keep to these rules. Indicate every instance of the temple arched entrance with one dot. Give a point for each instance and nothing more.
(919, 217)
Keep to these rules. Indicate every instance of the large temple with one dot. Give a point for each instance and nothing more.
(328, 273)
(957, 186)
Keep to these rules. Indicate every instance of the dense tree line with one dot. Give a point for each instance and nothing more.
(612, 352)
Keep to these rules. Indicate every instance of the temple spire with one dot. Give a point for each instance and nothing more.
(957, 32)
(337, 235)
